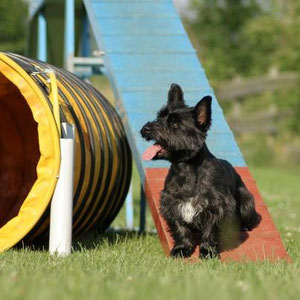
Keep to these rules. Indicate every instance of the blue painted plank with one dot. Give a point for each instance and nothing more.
(131, 81)
(147, 44)
(142, 26)
(124, 9)
(144, 56)
(155, 62)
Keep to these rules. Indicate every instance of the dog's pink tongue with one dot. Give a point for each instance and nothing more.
(151, 152)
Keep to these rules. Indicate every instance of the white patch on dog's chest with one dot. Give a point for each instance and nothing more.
(187, 211)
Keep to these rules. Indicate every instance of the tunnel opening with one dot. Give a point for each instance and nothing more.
(19, 150)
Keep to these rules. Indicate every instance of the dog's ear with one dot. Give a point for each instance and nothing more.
(203, 112)
(175, 95)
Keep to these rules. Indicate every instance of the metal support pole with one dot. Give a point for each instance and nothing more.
(85, 40)
(129, 209)
(69, 39)
(143, 211)
(42, 37)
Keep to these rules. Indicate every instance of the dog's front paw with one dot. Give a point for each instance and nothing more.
(181, 251)
(207, 252)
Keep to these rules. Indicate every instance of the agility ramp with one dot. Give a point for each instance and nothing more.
(30, 152)
(147, 49)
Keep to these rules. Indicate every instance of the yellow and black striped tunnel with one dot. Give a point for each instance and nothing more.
(30, 153)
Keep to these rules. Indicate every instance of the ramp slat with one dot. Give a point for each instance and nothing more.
(155, 62)
(117, 9)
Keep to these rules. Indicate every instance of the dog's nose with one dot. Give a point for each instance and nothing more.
(146, 130)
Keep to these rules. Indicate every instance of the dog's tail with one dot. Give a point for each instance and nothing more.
(249, 217)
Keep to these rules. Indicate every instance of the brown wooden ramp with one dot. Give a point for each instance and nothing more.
(262, 243)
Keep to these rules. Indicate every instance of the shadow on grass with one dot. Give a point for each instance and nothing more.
(233, 240)
(110, 237)
(88, 242)
(229, 241)
(115, 237)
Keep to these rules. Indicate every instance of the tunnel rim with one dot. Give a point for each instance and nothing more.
(39, 197)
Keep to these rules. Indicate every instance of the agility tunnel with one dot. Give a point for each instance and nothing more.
(30, 151)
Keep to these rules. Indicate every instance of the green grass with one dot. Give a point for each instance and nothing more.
(131, 266)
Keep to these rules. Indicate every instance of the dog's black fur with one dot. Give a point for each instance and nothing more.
(202, 195)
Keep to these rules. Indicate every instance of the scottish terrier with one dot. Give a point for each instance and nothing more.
(204, 198)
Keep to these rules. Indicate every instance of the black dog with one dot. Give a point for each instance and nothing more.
(202, 195)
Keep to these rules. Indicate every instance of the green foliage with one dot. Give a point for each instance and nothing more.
(219, 27)
(245, 38)
(260, 42)
(257, 150)
(242, 38)
(13, 25)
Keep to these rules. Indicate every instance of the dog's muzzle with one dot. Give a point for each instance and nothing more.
(146, 131)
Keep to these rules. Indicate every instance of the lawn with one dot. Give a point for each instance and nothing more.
(131, 266)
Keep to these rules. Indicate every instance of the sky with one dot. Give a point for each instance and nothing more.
(181, 3)
(182, 7)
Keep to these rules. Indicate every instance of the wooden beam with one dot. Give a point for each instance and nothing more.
(243, 87)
